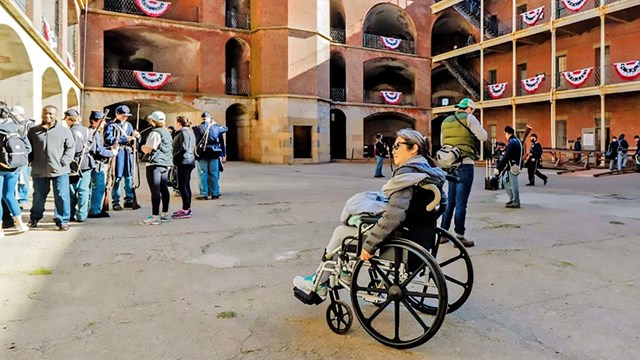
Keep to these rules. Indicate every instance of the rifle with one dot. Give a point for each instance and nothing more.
(524, 138)
(108, 185)
(136, 165)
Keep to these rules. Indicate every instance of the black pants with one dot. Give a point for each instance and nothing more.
(158, 179)
(532, 170)
(184, 184)
(7, 219)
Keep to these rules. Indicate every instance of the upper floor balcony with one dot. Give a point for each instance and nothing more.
(237, 20)
(131, 79)
(338, 94)
(338, 35)
(388, 98)
(582, 78)
(164, 9)
(566, 8)
(237, 86)
(388, 43)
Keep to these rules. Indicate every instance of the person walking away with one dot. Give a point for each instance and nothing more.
(460, 130)
(612, 153)
(381, 155)
(11, 130)
(120, 132)
(98, 154)
(53, 148)
(623, 148)
(184, 159)
(534, 161)
(577, 146)
(210, 151)
(509, 168)
(159, 149)
(80, 174)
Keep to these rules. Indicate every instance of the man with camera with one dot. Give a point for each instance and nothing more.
(509, 168)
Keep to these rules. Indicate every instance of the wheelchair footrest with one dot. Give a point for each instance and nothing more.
(310, 299)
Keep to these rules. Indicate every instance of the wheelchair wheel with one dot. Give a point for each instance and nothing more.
(339, 317)
(455, 263)
(394, 321)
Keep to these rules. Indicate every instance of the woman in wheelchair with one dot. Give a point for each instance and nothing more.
(410, 154)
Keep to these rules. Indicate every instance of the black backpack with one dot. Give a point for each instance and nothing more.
(13, 150)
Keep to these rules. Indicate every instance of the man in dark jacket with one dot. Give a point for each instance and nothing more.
(533, 162)
(381, 155)
(612, 152)
(509, 168)
(98, 153)
(210, 151)
(53, 149)
(80, 175)
(623, 147)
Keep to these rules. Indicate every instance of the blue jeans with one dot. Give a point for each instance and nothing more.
(79, 195)
(208, 177)
(510, 183)
(457, 198)
(41, 187)
(97, 186)
(622, 160)
(379, 163)
(23, 183)
(8, 181)
(128, 190)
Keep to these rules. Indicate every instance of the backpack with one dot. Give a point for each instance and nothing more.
(449, 157)
(13, 151)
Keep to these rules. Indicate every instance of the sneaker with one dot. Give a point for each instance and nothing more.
(151, 220)
(306, 284)
(513, 206)
(165, 218)
(215, 197)
(63, 227)
(117, 207)
(464, 241)
(22, 228)
(202, 197)
(181, 214)
(33, 223)
(545, 181)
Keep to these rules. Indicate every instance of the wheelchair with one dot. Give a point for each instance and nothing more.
(402, 294)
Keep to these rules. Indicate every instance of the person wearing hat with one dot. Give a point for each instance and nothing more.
(461, 130)
(53, 150)
(509, 168)
(80, 175)
(120, 133)
(210, 151)
(25, 171)
(533, 162)
(98, 153)
(159, 148)
(381, 154)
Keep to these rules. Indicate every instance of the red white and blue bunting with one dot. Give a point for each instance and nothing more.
(153, 8)
(577, 78)
(532, 17)
(391, 43)
(629, 70)
(392, 97)
(574, 5)
(496, 90)
(49, 34)
(70, 63)
(530, 85)
(151, 80)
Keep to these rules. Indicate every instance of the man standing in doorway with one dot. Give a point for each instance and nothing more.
(460, 130)
(210, 151)
(381, 155)
(534, 161)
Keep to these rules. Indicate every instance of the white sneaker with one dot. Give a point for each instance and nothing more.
(306, 284)
(22, 228)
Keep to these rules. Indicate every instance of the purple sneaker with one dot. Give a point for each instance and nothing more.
(181, 214)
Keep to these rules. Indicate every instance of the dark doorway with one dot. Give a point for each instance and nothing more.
(302, 142)
(235, 120)
(338, 135)
(436, 125)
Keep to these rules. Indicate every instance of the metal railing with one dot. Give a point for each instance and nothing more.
(338, 35)
(467, 76)
(338, 94)
(544, 87)
(520, 24)
(237, 20)
(130, 7)
(562, 11)
(493, 27)
(375, 97)
(376, 42)
(119, 78)
(592, 80)
(611, 76)
(507, 93)
(237, 86)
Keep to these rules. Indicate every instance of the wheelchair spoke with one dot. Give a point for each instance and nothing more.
(384, 276)
(422, 295)
(445, 263)
(455, 281)
(397, 320)
(415, 315)
(379, 310)
(412, 276)
(374, 290)
(397, 261)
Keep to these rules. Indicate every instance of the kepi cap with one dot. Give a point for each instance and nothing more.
(123, 110)
(157, 116)
(96, 115)
(71, 112)
(465, 103)
(17, 110)
(206, 115)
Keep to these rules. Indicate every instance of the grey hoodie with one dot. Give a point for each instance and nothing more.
(53, 150)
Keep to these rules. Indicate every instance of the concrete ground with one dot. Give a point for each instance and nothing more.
(557, 279)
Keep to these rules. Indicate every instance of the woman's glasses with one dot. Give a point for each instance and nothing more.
(396, 146)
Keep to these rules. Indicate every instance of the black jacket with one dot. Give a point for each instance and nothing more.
(183, 145)
(512, 154)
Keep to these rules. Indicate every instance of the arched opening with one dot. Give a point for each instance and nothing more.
(388, 74)
(51, 90)
(337, 23)
(386, 123)
(139, 48)
(451, 31)
(338, 134)
(16, 73)
(385, 24)
(436, 125)
(72, 98)
(237, 138)
(237, 57)
(237, 14)
(337, 77)
(446, 90)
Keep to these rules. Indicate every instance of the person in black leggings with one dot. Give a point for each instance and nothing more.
(159, 148)
(184, 143)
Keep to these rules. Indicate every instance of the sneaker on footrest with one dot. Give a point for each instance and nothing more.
(306, 284)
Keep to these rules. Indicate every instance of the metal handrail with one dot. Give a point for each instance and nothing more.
(338, 35)
(237, 86)
(130, 7)
(338, 94)
(237, 20)
(121, 78)
(375, 97)
(375, 42)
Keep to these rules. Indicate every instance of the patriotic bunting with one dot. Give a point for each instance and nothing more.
(49, 34)
(70, 63)
(532, 17)
(153, 8)
(391, 43)
(391, 97)
(496, 90)
(577, 78)
(151, 80)
(530, 85)
(574, 5)
(629, 70)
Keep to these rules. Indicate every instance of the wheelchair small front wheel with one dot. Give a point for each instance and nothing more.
(339, 317)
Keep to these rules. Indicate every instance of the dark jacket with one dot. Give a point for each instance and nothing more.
(116, 132)
(381, 149)
(99, 153)
(184, 143)
(215, 143)
(162, 156)
(82, 138)
(53, 150)
(623, 146)
(512, 154)
(535, 153)
(10, 127)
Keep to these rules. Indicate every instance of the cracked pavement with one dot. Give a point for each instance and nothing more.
(556, 279)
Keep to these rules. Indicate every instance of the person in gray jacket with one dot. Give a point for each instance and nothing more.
(409, 154)
(53, 149)
(184, 143)
(80, 174)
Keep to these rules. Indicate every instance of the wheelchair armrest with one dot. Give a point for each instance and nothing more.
(437, 195)
(370, 220)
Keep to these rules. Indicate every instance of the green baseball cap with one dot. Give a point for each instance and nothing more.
(465, 103)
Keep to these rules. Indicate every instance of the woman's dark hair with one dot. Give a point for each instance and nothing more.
(183, 121)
